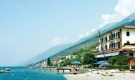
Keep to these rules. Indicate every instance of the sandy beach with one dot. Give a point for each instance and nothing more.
(95, 76)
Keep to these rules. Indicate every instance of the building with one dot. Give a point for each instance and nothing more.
(56, 61)
(120, 40)
(70, 56)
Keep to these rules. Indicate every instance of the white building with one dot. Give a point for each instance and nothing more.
(70, 56)
(117, 41)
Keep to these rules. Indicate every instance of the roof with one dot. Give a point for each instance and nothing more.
(127, 27)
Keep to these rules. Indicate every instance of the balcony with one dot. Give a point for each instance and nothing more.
(113, 39)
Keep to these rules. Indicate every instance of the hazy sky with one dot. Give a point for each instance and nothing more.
(30, 27)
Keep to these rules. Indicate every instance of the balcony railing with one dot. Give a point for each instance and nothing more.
(129, 45)
(113, 38)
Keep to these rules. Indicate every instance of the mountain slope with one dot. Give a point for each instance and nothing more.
(49, 53)
(128, 21)
(82, 43)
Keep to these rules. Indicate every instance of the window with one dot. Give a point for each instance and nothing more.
(128, 42)
(131, 53)
(106, 47)
(118, 35)
(106, 39)
(114, 35)
(124, 53)
(128, 33)
(101, 40)
(113, 45)
(119, 45)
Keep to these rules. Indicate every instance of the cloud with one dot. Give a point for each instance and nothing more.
(86, 34)
(123, 9)
(59, 40)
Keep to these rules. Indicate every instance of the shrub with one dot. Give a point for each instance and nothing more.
(120, 67)
(119, 60)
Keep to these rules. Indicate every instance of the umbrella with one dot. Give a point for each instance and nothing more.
(77, 63)
(102, 63)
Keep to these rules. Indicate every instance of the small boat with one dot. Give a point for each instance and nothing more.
(31, 67)
(8, 69)
(4, 71)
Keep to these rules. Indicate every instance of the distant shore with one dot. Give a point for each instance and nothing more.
(95, 76)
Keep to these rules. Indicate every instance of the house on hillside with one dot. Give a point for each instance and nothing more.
(70, 56)
(120, 40)
(56, 61)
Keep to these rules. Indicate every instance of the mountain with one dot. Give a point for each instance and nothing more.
(49, 53)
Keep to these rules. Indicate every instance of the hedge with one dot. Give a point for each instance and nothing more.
(120, 67)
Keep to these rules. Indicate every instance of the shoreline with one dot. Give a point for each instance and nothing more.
(95, 76)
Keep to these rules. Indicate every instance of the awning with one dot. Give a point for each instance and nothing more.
(106, 55)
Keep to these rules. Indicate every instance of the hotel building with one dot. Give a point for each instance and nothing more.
(120, 40)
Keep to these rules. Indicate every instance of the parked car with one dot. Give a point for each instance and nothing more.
(101, 63)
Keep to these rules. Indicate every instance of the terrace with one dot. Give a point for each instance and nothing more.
(129, 46)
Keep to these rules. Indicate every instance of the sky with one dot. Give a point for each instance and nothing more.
(30, 27)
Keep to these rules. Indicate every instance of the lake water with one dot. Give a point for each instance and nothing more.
(24, 73)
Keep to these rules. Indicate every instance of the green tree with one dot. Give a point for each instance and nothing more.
(89, 58)
(77, 58)
(74, 53)
(66, 62)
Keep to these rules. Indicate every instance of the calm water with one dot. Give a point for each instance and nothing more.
(23, 73)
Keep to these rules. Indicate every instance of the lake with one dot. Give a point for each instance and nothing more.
(24, 73)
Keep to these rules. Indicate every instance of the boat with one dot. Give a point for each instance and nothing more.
(31, 67)
(4, 71)
(8, 69)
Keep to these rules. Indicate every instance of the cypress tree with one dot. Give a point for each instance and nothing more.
(48, 62)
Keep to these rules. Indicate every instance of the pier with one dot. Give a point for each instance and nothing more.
(63, 69)
(58, 69)
(48, 68)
